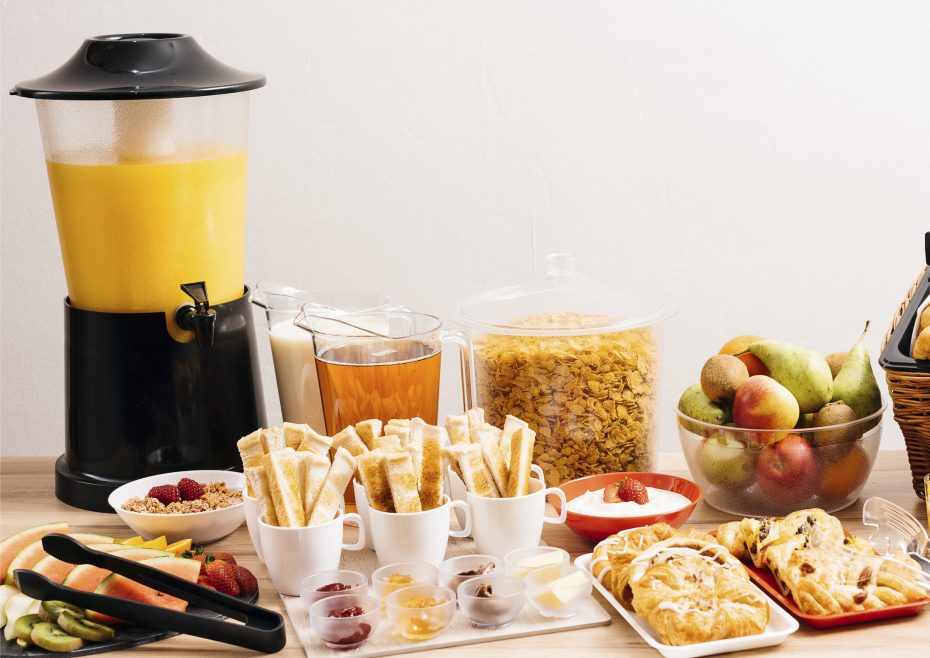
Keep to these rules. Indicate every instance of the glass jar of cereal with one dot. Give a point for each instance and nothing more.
(578, 362)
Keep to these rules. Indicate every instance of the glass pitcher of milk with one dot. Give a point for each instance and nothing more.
(292, 347)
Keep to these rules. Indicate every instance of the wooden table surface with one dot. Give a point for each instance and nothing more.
(27, 498)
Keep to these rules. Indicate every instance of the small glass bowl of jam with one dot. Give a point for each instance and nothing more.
(393, 577)
(325, 584)
(421, 612)
(491, 601)
(457, 570)
(345, 621)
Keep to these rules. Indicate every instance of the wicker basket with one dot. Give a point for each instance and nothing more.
(910, 392)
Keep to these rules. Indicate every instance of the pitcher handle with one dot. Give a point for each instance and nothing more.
(466, 354)
(563, 508)
(360, 543)
(466, 531)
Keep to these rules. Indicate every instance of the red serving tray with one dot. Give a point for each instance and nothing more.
(765, 579)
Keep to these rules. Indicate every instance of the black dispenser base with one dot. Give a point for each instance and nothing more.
(139, 403)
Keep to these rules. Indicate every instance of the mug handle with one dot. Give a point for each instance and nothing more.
(536, 470)
(467, 364)
(563, 514)
(466, 531)
(360, 544)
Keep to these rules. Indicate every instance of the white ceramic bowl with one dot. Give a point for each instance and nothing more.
(202, 527)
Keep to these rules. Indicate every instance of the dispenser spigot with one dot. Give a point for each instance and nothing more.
(199, 318)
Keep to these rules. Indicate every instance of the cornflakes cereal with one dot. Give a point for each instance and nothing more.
(590, 398)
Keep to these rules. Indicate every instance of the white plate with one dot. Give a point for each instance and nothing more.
(780, 626)
(202, 527)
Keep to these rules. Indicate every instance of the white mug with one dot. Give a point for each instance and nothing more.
(417, 536)
(362, 507)
(292, 554)
(457, 489)
(252, 511)
(501, 525)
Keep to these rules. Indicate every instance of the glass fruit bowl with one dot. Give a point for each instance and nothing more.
(773, 472)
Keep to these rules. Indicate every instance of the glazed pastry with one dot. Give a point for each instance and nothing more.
(618, 550)
(824, 570)
(689, 599)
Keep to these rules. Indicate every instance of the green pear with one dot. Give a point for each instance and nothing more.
(695, 404)
(855, 383)
(802, 371)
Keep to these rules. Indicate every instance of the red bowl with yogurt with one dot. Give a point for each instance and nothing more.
(671, 500)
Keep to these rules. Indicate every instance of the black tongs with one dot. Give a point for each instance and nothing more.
(262, 630)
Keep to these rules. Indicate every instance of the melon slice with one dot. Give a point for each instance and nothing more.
(31, 554)
(18, 605)
(12, 545)
(107, 548)
(52, 568)
(6, 591)
(122, 587)
(86, 577)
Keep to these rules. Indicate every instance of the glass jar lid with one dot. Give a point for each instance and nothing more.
(562, 302)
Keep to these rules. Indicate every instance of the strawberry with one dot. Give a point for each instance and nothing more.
(222, 576)
(190, 489)
(626, 490)
(224, 556)
(166, 494)
(203, 580)
(247, 582)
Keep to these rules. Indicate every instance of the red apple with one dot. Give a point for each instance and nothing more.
(788, 472)
(761, 403)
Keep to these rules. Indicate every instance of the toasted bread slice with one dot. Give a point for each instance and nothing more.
(431, 469)
(281, 470)
(475, 474)
(251, 452)
(351, 441)
(521, 458)
(312, 468)
(399, 422)
(388, 443)
(316, 442)
(327, 503)
(450, 458)
(374, 478)
(489, 438)
(272, 439)
(415, 448)
(255, 476)
(294, 434)
(457, 427)
(475, 417)
(402, 432)
(403, 482)
(511, 425)
(368, 430)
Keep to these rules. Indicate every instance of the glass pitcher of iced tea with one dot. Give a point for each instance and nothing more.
(381, 364)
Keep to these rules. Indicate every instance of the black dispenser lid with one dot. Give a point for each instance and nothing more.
(139, 66)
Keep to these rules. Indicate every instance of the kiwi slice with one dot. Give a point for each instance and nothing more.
(51, 637)
(50, 610)
(23, 644)
(23, 626)
(83, 628)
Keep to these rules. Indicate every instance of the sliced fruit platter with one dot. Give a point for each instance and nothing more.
(32, 627)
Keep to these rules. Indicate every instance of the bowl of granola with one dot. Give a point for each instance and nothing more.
(203, 505)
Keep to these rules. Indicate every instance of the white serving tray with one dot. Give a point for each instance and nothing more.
(780, 626)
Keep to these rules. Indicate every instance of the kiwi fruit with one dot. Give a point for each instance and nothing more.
(23, 626)
(49, 610)
(23, 644)
(721, 375)
(836, 361)
(83, 628)
(839, 440)
(51, 637)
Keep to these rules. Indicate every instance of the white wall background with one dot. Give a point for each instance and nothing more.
(767, 163)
